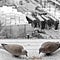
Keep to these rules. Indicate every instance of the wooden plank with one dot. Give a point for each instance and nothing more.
(55, 2)
(52, 18)
(41, 13)
(40, 18)
(45, 17)
(50, 15)
(31, 17)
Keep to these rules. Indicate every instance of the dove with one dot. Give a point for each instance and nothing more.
(49, 47)
(14, 49)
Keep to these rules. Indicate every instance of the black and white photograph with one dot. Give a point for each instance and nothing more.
(29, 29)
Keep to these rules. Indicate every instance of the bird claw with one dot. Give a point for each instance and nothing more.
(48, 54)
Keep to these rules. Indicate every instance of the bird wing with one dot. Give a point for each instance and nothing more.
(51, 47)
(13, 49)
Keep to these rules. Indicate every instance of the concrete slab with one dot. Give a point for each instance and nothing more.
(32, 46)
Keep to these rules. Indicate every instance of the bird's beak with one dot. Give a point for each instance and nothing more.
(26, 55)
(39, 52)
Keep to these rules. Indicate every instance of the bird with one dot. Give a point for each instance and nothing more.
(49, 47)
(15, 49)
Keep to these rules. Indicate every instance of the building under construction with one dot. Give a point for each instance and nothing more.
(29, 19)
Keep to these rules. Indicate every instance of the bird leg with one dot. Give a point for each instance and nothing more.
(16, 56)
(48, 54)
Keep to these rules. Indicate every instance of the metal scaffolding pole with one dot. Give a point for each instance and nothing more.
(25, 30)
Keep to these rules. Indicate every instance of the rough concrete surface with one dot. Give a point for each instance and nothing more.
(32, 46)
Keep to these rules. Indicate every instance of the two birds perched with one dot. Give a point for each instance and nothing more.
(17, 50)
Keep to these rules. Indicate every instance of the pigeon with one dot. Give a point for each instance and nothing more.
(14, 49)
(49, 47)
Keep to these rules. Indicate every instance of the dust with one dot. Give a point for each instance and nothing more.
(36, 58)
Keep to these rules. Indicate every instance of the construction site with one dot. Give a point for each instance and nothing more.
(29, 19)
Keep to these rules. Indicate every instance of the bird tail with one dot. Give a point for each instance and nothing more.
(58, 44)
